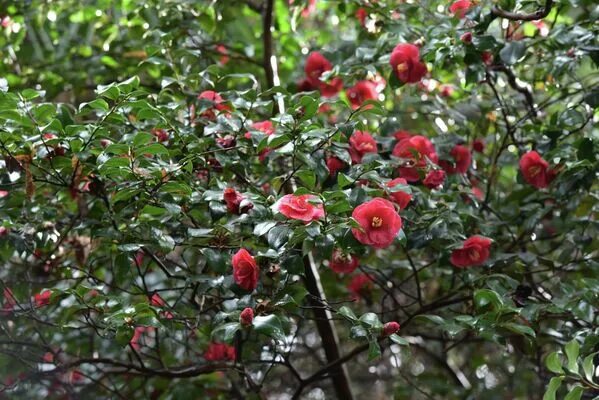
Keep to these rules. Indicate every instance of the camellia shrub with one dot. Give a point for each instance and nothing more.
(273, 199)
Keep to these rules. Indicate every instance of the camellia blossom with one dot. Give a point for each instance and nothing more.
(401, 135)
(406, 64)
(300, 207)
(236, 202)
(245, 270)
(400, 197)
(160, 134)
(361, 92)
(361, 15)
(138, 334)
(536, 171)
(316, 65)
(361, 143)
(42, 299)
(390, 328)
(466, 37)
(246, 318)
(434, 179)
(360, 286)
(415, 150)
(462, 158)
(379, 223)
(474, 251)
(219, 352)
(343, 263)
(215, 98)
(334, 165)
(478, 145)
(157, 301)
(460, 8)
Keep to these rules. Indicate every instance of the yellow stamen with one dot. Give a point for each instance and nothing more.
(402, 67)
(377, 222)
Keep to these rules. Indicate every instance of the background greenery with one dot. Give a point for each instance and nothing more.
(105, 216)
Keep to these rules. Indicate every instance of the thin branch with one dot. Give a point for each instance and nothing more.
(539, 14)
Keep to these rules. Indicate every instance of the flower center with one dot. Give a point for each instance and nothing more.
(402, 67)
(534, 171)
(376, 222)
(474, 255)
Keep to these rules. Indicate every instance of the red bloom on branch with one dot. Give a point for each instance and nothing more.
(462, 158)
(536, 171)
(474, 251)
(138, 334)
(236, 202)
(406, 64)
(390, 328)
(415, 150)
(460, 8)
(343, 263)
(361, 92)
(400, 197)
(160, 134)
(361, 143)
(360, 286)
(434, 179)
(401, 135)
(334, 165)
(9, 301)
(466, 37)
(245, 270)
(478, 145)
(316, 65)
(224, 58)
(300, 207)
(42, 299)
(219, 103)
(219, 352)
(361, 15)
(379, 223)
(487, 57)
(246, 317)
(157, 301)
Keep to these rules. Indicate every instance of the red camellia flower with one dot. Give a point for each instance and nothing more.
(343, 263)
(360, 143)
(9, 302)
(446, 90)
(3, 193)
(268, 129)
(360, 286)
(434, 179)
(157, 301)
(460, 8)
(316, 65)
(405, 61)
(160, 134)
(401, 135)
(3, 231)
(487, 57)
(390, 328)
(215, 98)
(361, 15)
(360, 92)
(42, 299)
(246, 317)
(332, 88)
(334, 165)
(536, 171)
(245, 270)
(379, 223)
(138, 334)
(415, 150)
(224, 58)
(300, 207)
(219, 352)
(474, 251)
(466, 37)
(462, 159)
(478, 145)
(236, 202)
(400, 197)
(305, 85)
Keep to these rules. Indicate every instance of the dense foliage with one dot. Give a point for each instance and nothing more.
(299, 199)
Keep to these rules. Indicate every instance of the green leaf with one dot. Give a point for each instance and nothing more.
(153, 149)
(371, 320)
(521, 329)
(512, 52)
(572, 350)
(485, 297)
(226, 332)
(553, 363)
(588, 366)
(552, 388)
(575, 393)
(374, 350)
(269, 325)
(395, 338)
(347, 313)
